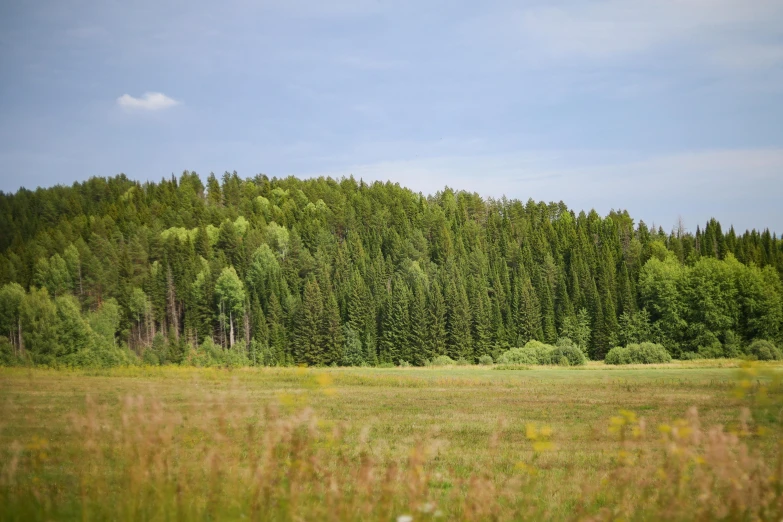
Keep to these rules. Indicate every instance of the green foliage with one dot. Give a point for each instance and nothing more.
(764, 350)
(442, 360)
(566, 353)
(572, 354)
(486, 360)
(641, 353)
(353, 354)
(414, 277)
(577, 328)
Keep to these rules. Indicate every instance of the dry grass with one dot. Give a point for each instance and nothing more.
(364, 444)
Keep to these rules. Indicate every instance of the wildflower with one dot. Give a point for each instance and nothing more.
(525, 468)
(427, 507)
(323, 379)
(541, 446)
(404, 518)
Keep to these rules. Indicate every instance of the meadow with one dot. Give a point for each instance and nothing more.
(683, 441)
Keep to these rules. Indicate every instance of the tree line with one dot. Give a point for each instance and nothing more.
(323, 271)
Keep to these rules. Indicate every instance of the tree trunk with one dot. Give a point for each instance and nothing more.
(247, 329)
(231, 330)
(172, 303)
(21, 340)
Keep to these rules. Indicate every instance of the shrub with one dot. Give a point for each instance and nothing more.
(486, 360)
(618, 355)
(711, 351)
(571, 353)
(236, 356)
(732, 344)
(764, 350)
(643, 353)
(462, 362)
(536, 352)
(690, 356)
(442, 360)
(517, 356)
(540, 351)
(650, 353)
(404, 364)
(150, 357)
(564, 342)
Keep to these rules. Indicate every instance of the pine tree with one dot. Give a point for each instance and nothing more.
(482, 325)
(459, 343)
(419, 347)
(529, 325)
(331, 330)
(395, 342)
(309, 343)
(436, 321)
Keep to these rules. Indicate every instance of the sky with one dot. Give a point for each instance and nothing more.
(667, 108)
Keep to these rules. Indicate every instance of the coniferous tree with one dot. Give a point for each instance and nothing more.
(309, 342)
(331, 330)
(436, 321)
(395, 343)
(459, 343)
(464, 276)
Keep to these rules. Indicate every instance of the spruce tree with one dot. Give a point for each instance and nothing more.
(309, 341)
(436, 321)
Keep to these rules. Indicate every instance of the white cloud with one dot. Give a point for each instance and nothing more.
(657, 188)
(611, 30)
(150, 101)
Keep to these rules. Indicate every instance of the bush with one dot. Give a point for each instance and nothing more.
(486, 360)
(764, 350)
(690, 356)
(540, 351)
(618, 355)
(536, 352)
(442, 360)
(711, 351)
(404, 364)
(571, 353)
(643, 353)
(650, 353)
(732, 344)
(462, 362)
(236, 356)
(150, 357)
(517, 356)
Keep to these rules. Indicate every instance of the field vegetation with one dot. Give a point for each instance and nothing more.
(686, 440)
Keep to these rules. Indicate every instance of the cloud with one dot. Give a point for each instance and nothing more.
(696, 185)
(150, 101)
(612, 30)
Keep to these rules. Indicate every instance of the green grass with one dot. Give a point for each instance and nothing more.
(77, 452)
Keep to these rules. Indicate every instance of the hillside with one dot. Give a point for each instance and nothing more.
(322, 272)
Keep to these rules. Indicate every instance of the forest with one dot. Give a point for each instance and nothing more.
(321, 272)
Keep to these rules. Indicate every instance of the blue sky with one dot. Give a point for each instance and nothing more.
(667, 108)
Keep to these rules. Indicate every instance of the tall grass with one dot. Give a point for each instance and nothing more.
(232, 456)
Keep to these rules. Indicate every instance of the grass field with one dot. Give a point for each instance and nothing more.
(380, 444)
